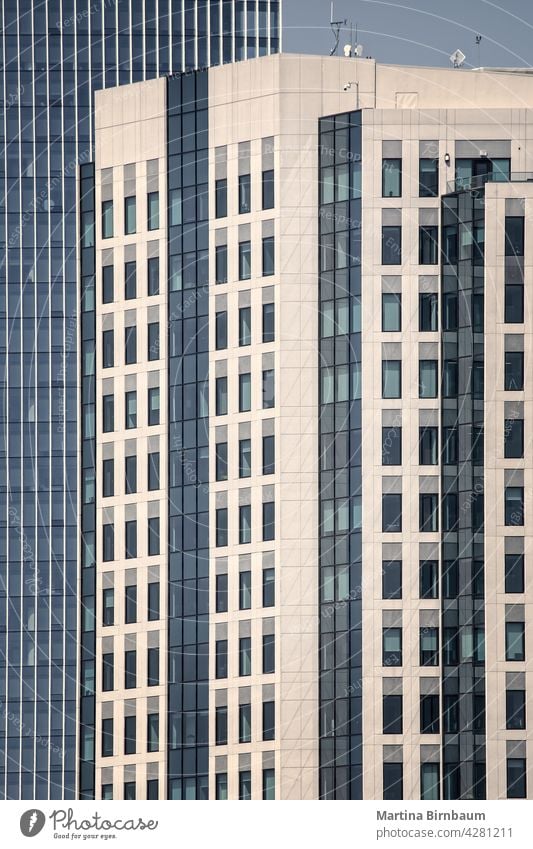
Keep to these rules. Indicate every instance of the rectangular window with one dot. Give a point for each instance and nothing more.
(153, 536)
(429, 513)
(221, 264)
(429, 579)
(269, 455)
(245, 656)
(108, 478)
(152, 665)
(450, 516)
(245, 524)
(429, 714)
(269, 253)
(221, 198)
(153, 210)
(153, 406)
(391, 379)
(130, 735)
(515, 710)
(428, 446)
(153, 471)
(269, 653)
(514, 370)
(245, 194)
(429, 782)
(391, 579)
(392, 714)
(130, 604)
(221, 461)
(269, 587)
(245, 785)
(153, 341)
(129, 791)
(428, 177)
(391, 446)
(392, 781)
(152, 732)
(514, 438)
(268, 389)
(107, 219)
(428, 312)
(153, 601)
(130, 407)
(130, 280)
(427, 378)
(267, 185)
(514, 235)
(391, 312)
(221, 786)
(130, 670)
(221, 725)
(130, 474)
(269, 520)
(107, 738)
(268, 323)
(130, 539)
(514, 303)
(391, 245)
(514, 505)
(515, 646)
(108, 672)
(428, 245)
(221, 396)
(152, 787)
(245, 723)
(108, 605)
(269, 784)
(391, 513)
(108, 543)
(514, 573)
(392, 646)
(221, 527)
(130, 345)
(153, 276)
(221, 593)
(221, 330)
(130, 215)
(269, 721)
(516, 778)
(245, 326)
(245, 392)
(245, 590)
(245, 260)
(429, 646)
(391, 178)
(108, 349)
(221, 659)
(107, 284)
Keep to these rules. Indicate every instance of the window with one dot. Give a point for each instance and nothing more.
(221, 461)
(267, 184)
(392, 781)
(516, 778)
(429, 781)
(514, 370)
(130, 735)
(108, 478)
(428, 312)
(221, 330)
(130, 474)
(269, 587)
(130, 280)
(514, 438)
(391, 446)
(429, 513)
(87, 229)
(428, 245)
(245, 723)
(268, 323)
(130, 598)
(269, 721)
(153, 667)
(130, 670)
(245, 590)
(107, 738)
(391, 245)
(515, 641)
(153, 536)
(269, 455)
(245, 194)
(269, 520)
(221, 593)
(450, 516)
(221, 659)
(152, 788)
(245, 326)
(391, 312)
(153, 406)
(108, 349)
(153, 341)
(108, 672)
(392, 646)
(391, 579)
(221, 264)
(130, 345)
(515, 710)
(153, 210)
(107, 791)
(221, 788)
(391, 379)
(221, 725)
(130, 215)
(429, 648)
(391, 513)
(221, 396)
(391, 178)
(153, 471)
(108, 543)
(392, 714)
(514, 573)
(269, 252)
(153, 601)
(245, 785)
(428, 446)
(245, 524)
(131, 410)
(107, 284)
(153, 276)
(245, 392)
(108, 606)
(429, 714)
(514, 235)
(429, 579)
(107, 219)
(221, 198)
(269, 651)
(269, 784)
(427, 378)
(514, 505)
(129, 791)
(428, 177)
(131, 540)
(268, 389)
(450, 379)
(514, 303)
(245, 260)
(245, 656)
(449, 446)
(221, 526)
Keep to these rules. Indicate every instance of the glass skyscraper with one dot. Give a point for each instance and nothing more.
(54, 54)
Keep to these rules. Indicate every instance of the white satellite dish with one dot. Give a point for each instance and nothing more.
(347, 50)
(457, 59)
(358, 50)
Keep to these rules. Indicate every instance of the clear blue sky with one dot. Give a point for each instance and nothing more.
(417, 32)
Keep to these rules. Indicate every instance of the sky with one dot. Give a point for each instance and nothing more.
(417, 32)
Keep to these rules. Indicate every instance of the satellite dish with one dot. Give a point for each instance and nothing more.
(347, 50)
(358, 50)
(457, 59)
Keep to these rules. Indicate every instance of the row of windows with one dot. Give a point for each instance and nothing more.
(130, 540)
(130, 410)
(391, 245)
(244, 196)
(268, 465)
(391, 177)
(130, 215)
(130, 474)
(245, 392)
(391, 511)
(268, 524)
(430, 780)
(130, 280)
(391, 577)
(268, 260)
(268, 590)
(245, 785)
(130, 745)
(466, 644)
(130, 604)
(268, 723)
(129, 671)
(130, 345)
(428, 444)
(268, 656)
(244, 327)
(130, 790)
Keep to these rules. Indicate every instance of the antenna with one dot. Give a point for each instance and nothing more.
(478, 43)
(457, 58)
(336, 30)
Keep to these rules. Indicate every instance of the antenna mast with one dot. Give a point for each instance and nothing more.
(336, 30)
